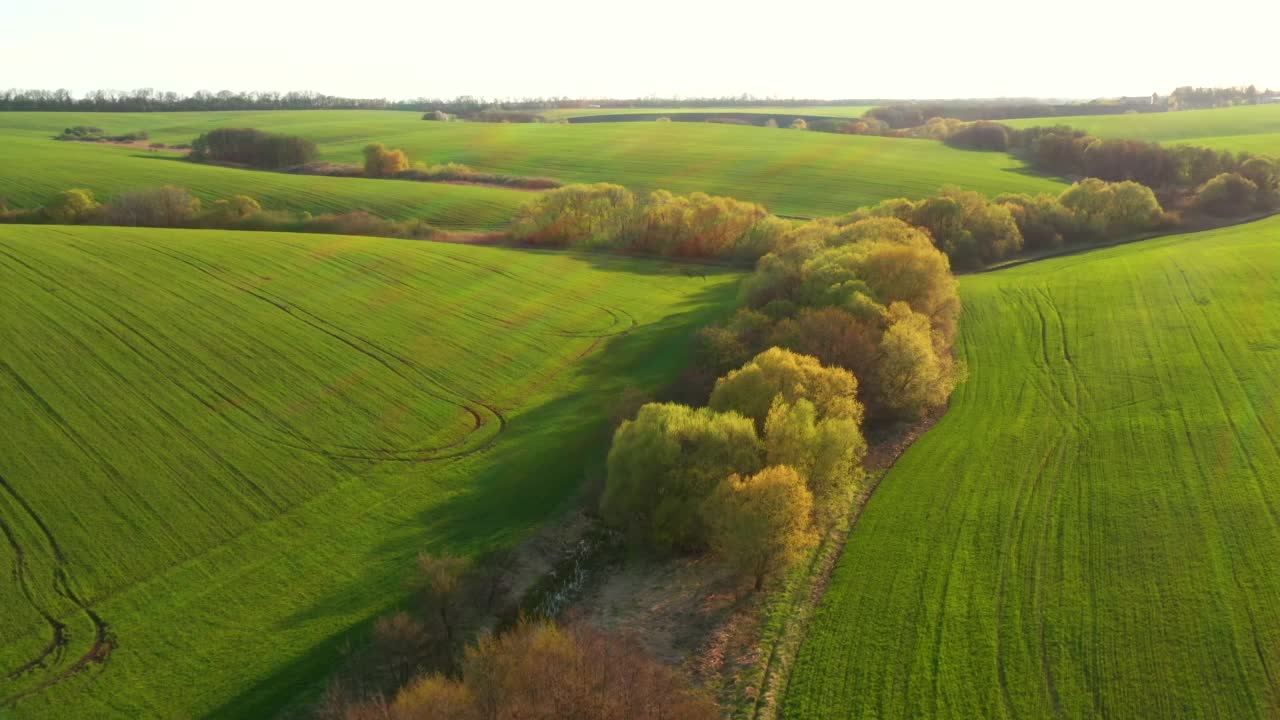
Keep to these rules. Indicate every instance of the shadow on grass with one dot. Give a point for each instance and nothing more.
(530, 477)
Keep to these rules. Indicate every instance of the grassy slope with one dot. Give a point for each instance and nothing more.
(1092, 530)
(48, 167)
(791, 172)
(239, 441)
(1252, 128)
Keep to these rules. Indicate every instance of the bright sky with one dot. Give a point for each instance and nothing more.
(598, 48)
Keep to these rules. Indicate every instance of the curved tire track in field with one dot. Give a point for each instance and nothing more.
(483, 414)
(103, 641)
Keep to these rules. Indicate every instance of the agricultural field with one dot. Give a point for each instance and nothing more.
(790, 172)
(223, 450)
(1254, 128)
(1092, 529)
(50, 167)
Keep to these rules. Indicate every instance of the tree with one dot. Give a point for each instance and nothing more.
(70, 206)
(435, 697)
(760, 523)
(665, 462)
(168, 206)
(827, 453)
(538, 671)
(751, 389)
(1227, 194)
(400, 644)
(381, 162)
(439, 583)
(913, 376)
(1102, 208)
(590, 215)
(234, 209)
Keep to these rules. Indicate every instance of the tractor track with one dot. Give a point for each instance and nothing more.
(124, 327)
(103, 641)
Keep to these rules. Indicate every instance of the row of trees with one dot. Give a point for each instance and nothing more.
(610, 216)
(255, 148)
(970, 228)
(1218, 182)
(149, 99)
(175, 207)
(1190, 98)
(874, 297)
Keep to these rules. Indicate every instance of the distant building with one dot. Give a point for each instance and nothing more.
(1138, 101)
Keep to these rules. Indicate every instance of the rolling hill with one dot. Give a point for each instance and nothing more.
(233, 445)
(790, 172)
(1254, 128)
(1092, 529)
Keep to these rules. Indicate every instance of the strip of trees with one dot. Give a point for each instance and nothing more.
(171, 206)
(254, 148)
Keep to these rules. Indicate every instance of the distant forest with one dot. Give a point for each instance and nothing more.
(149, 100)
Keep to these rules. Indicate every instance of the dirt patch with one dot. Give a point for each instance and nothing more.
(692, 613)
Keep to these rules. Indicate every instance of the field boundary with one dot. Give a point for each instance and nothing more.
(1067, 252)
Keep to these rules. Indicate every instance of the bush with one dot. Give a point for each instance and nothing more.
(70, 206)
(538, 671)
(254, 148)
(168, 206)
(237, 209)
(381, 162)
(799, 124)
(1227, 194)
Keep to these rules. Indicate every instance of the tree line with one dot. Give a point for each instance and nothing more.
(151, 100)
(1217, 182)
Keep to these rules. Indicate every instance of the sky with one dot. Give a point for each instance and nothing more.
(667, 48)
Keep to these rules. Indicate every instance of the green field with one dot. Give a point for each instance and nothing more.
(790, 172)
(1254, 128)
(831, 111)
(223, 450)
(1092, 530)
(49, 167)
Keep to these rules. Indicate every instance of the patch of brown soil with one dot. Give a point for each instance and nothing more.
(692, 613)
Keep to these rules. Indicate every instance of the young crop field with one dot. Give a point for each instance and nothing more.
(791, 172)
(1253, 128)
(1092, 530)
(49, 167)
(222, 451)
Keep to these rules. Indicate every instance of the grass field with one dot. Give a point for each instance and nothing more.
(790, 172)
(223, 450)
(832, 111)
(49, 167)
(1092, 530)
(1253, 128)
